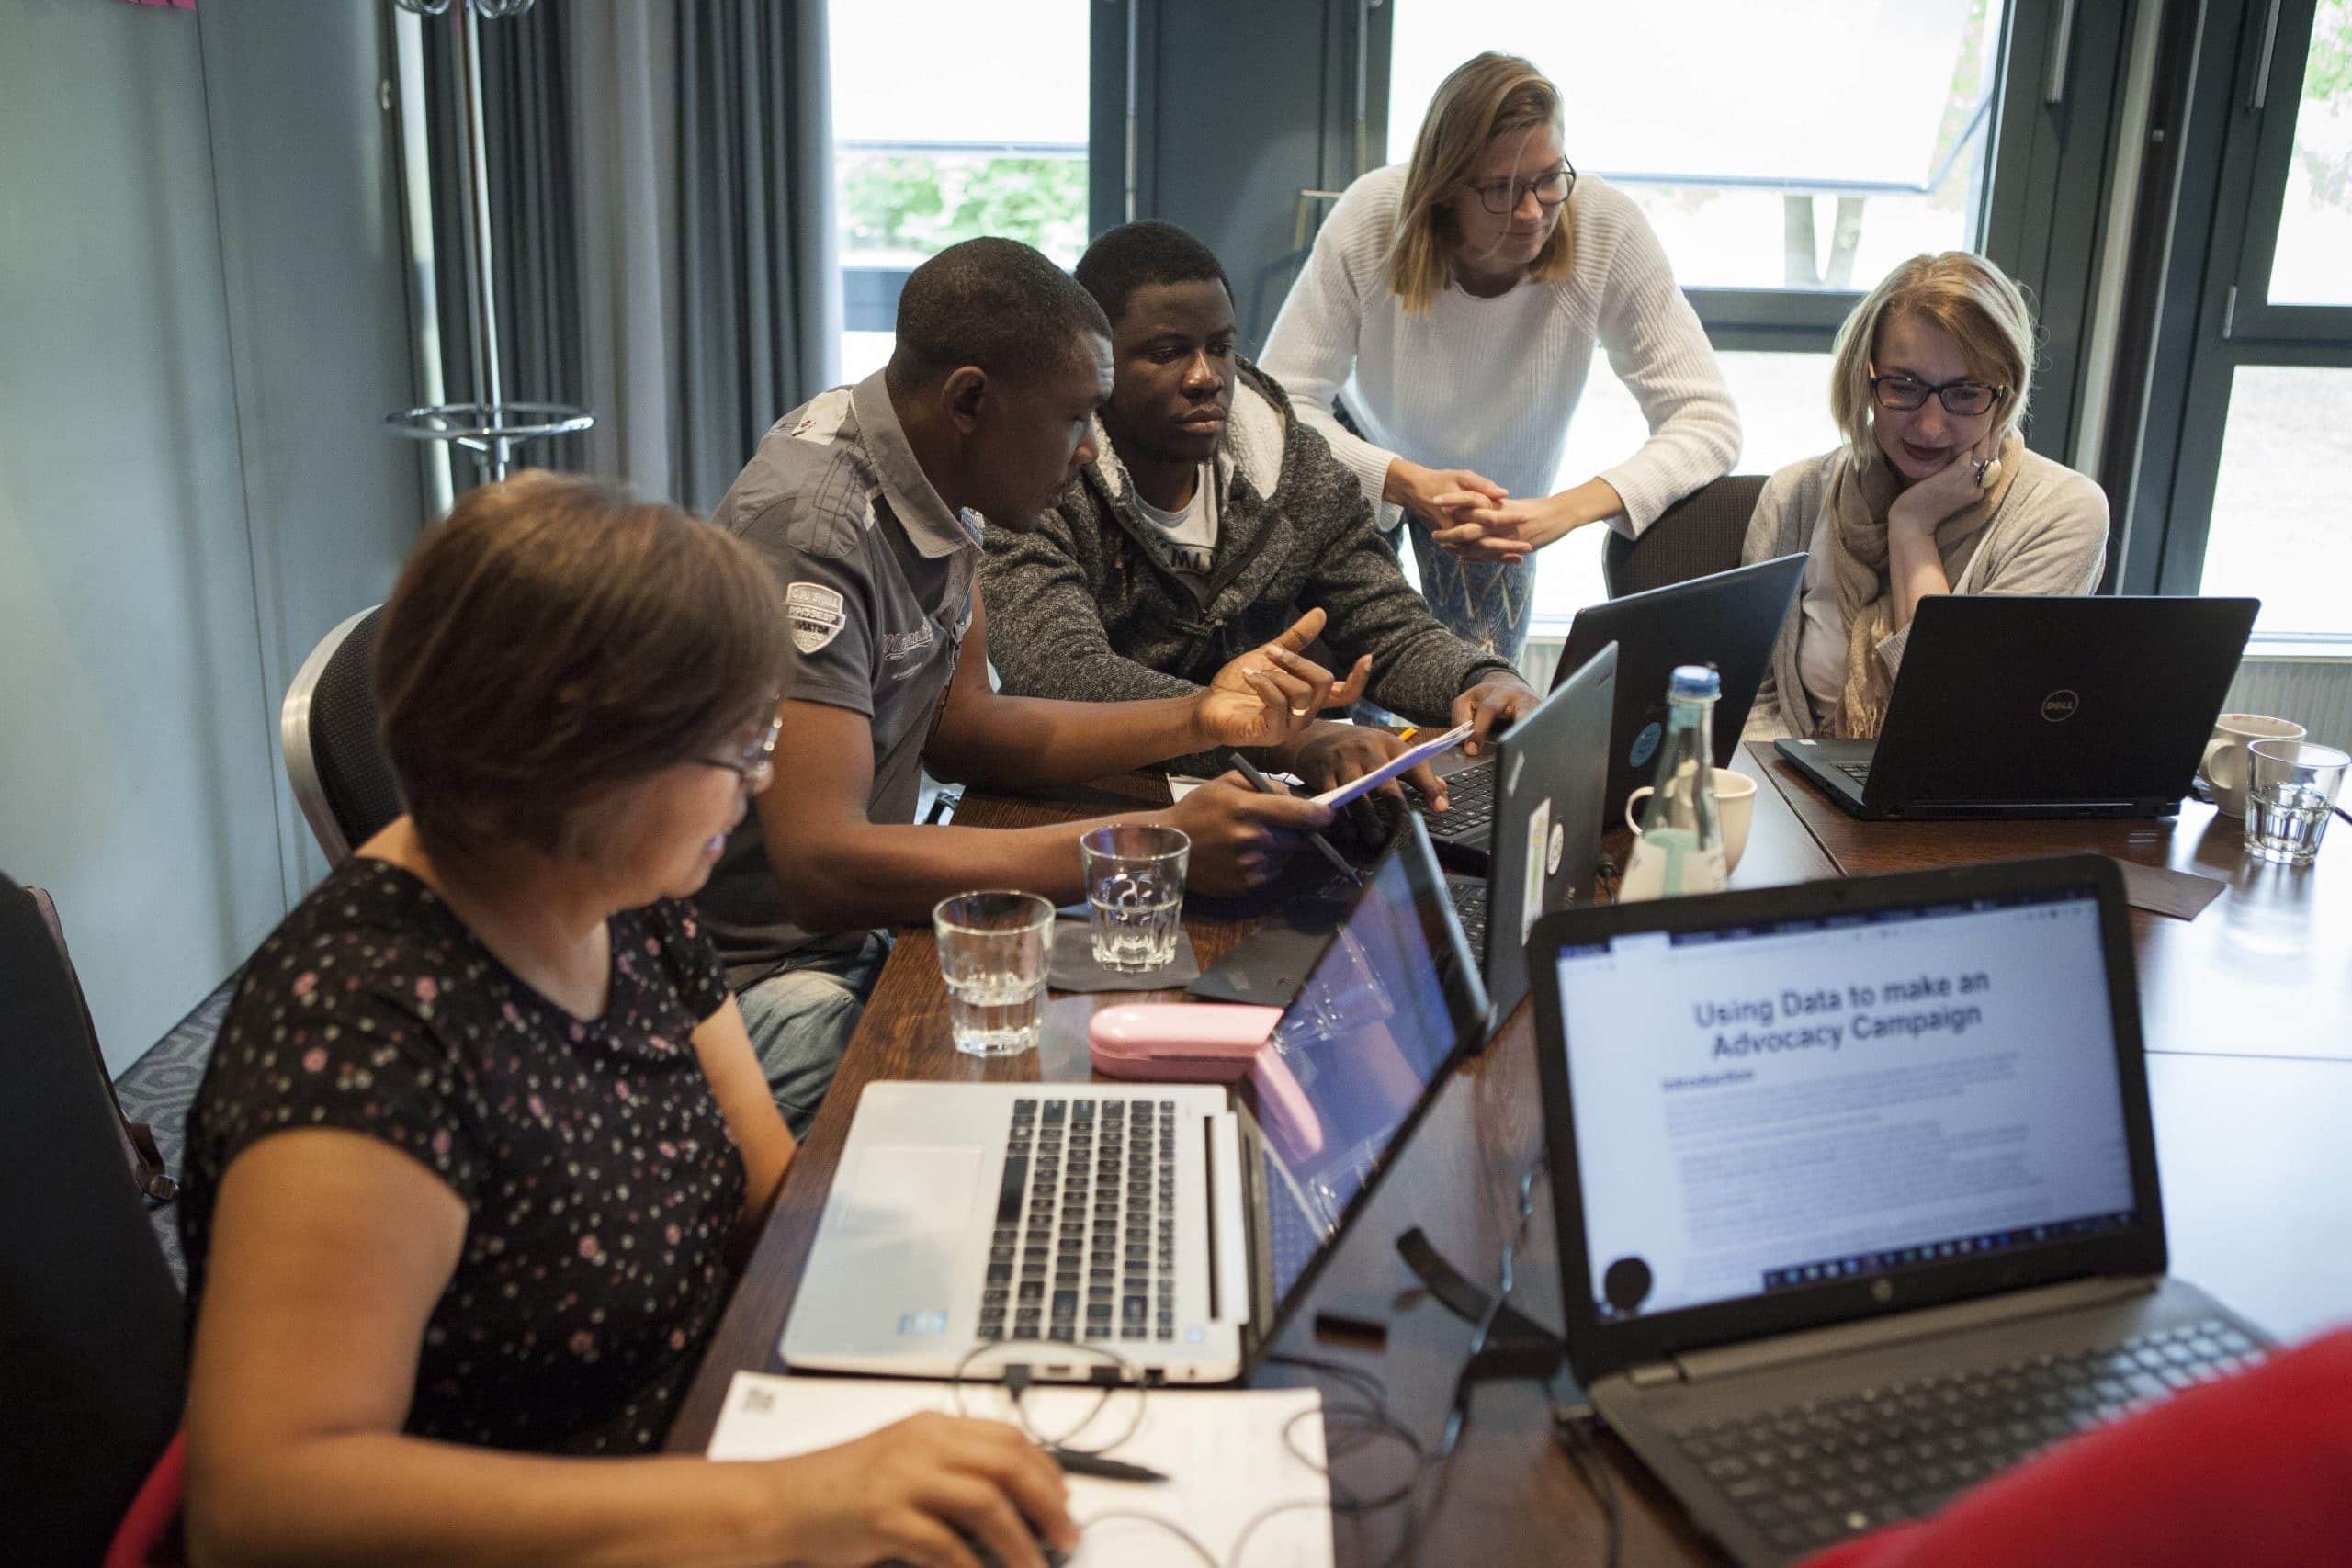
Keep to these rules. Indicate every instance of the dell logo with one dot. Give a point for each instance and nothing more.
(1881, 1291)
(2060, 705)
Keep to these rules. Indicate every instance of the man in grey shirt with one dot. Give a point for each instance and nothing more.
(867, 503)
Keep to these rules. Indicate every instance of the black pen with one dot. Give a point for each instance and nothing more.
(1265, 785)
(1101, 1468)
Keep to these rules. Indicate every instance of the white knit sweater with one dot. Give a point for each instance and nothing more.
(1490, 385)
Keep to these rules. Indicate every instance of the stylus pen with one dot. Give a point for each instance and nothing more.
(1265, 785)
(1101, 1468)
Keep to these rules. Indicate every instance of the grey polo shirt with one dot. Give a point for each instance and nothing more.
(877, 578)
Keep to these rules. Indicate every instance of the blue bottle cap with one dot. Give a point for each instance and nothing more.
(1694, 681)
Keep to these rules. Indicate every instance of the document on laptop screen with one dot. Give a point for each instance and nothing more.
(1761, 1108)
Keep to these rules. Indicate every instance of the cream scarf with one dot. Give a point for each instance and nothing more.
(1858, 551)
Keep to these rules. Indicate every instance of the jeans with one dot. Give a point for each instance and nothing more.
(1484, 603)
(801, 1017)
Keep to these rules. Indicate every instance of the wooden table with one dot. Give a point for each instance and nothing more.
(2245, 1154)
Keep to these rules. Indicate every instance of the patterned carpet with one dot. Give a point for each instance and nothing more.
(159, 1088)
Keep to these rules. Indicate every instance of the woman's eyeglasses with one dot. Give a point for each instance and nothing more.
(1966, 398)
(1501, 196)
(756, 766)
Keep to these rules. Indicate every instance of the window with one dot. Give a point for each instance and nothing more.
(942, 133)
(1784, 401)
(2278, 527)
(2256, 497)
(1736, 124)
(2315, 218)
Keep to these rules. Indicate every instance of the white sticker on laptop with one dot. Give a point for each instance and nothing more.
(814, 612)
(1539, 834)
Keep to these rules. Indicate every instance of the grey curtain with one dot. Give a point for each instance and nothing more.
(661, 175)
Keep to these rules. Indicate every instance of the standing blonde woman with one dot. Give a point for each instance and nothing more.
(1454, 303)
(1931, 491)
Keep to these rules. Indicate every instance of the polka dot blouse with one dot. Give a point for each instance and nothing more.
(599, 1179)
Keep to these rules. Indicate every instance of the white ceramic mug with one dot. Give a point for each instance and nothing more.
(1735, 803)
(2223, 767)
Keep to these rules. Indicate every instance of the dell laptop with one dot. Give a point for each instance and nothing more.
(1175, 1226)
(1856, 1189)
(2008, 705)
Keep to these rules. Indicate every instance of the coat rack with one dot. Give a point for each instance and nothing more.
(490, 427)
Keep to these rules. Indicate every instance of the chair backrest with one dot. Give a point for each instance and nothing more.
(1698, 535)
(92, 1352)
(341, 778)
(138, 1139)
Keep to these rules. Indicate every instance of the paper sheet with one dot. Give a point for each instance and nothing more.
(1223, 1451)
(1420, 752)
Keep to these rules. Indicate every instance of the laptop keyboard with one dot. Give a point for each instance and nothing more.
(1470, 908)
(1858, 771)
(1470, 805)
(1084, 1246)
(1819, 1472)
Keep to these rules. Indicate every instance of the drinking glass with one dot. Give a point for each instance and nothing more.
(1135, 894)
(2290, 790)
(992, 949)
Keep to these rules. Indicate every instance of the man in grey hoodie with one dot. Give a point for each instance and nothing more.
(1212, 518)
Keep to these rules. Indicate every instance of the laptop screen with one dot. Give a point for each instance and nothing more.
(1764, 1107)
(1370, 1030)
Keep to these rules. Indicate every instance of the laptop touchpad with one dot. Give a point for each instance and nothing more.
(890, 1260)
(926, 1187)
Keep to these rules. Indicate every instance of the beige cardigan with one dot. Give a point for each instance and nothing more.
(2050, 537)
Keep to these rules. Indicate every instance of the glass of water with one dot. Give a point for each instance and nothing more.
(2290, 790)
(992, 949)
(1135, 894)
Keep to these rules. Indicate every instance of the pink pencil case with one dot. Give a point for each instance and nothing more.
(1179, 1041)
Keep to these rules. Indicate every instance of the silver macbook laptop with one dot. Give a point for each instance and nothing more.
(1536, 804)
(1856, 1189)
(1178, 1225)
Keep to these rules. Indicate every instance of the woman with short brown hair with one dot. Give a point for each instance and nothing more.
(483, 1121)
(1454, 303)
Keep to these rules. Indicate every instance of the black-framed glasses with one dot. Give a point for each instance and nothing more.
(1966, 398)
(756, 766)
(1501, 196)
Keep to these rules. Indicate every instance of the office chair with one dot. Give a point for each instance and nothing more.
(337, 767)
(1698, 535)
(92, 1370)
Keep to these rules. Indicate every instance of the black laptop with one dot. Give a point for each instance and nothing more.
(1728, 620)
(2015, 707)
(1856, 1189)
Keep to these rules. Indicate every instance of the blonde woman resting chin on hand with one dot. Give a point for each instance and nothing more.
(1932, 492)
(483, 1126)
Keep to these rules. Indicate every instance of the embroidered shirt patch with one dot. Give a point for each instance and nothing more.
(815, 614)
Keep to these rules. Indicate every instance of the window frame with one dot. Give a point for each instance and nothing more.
(2219, 319)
